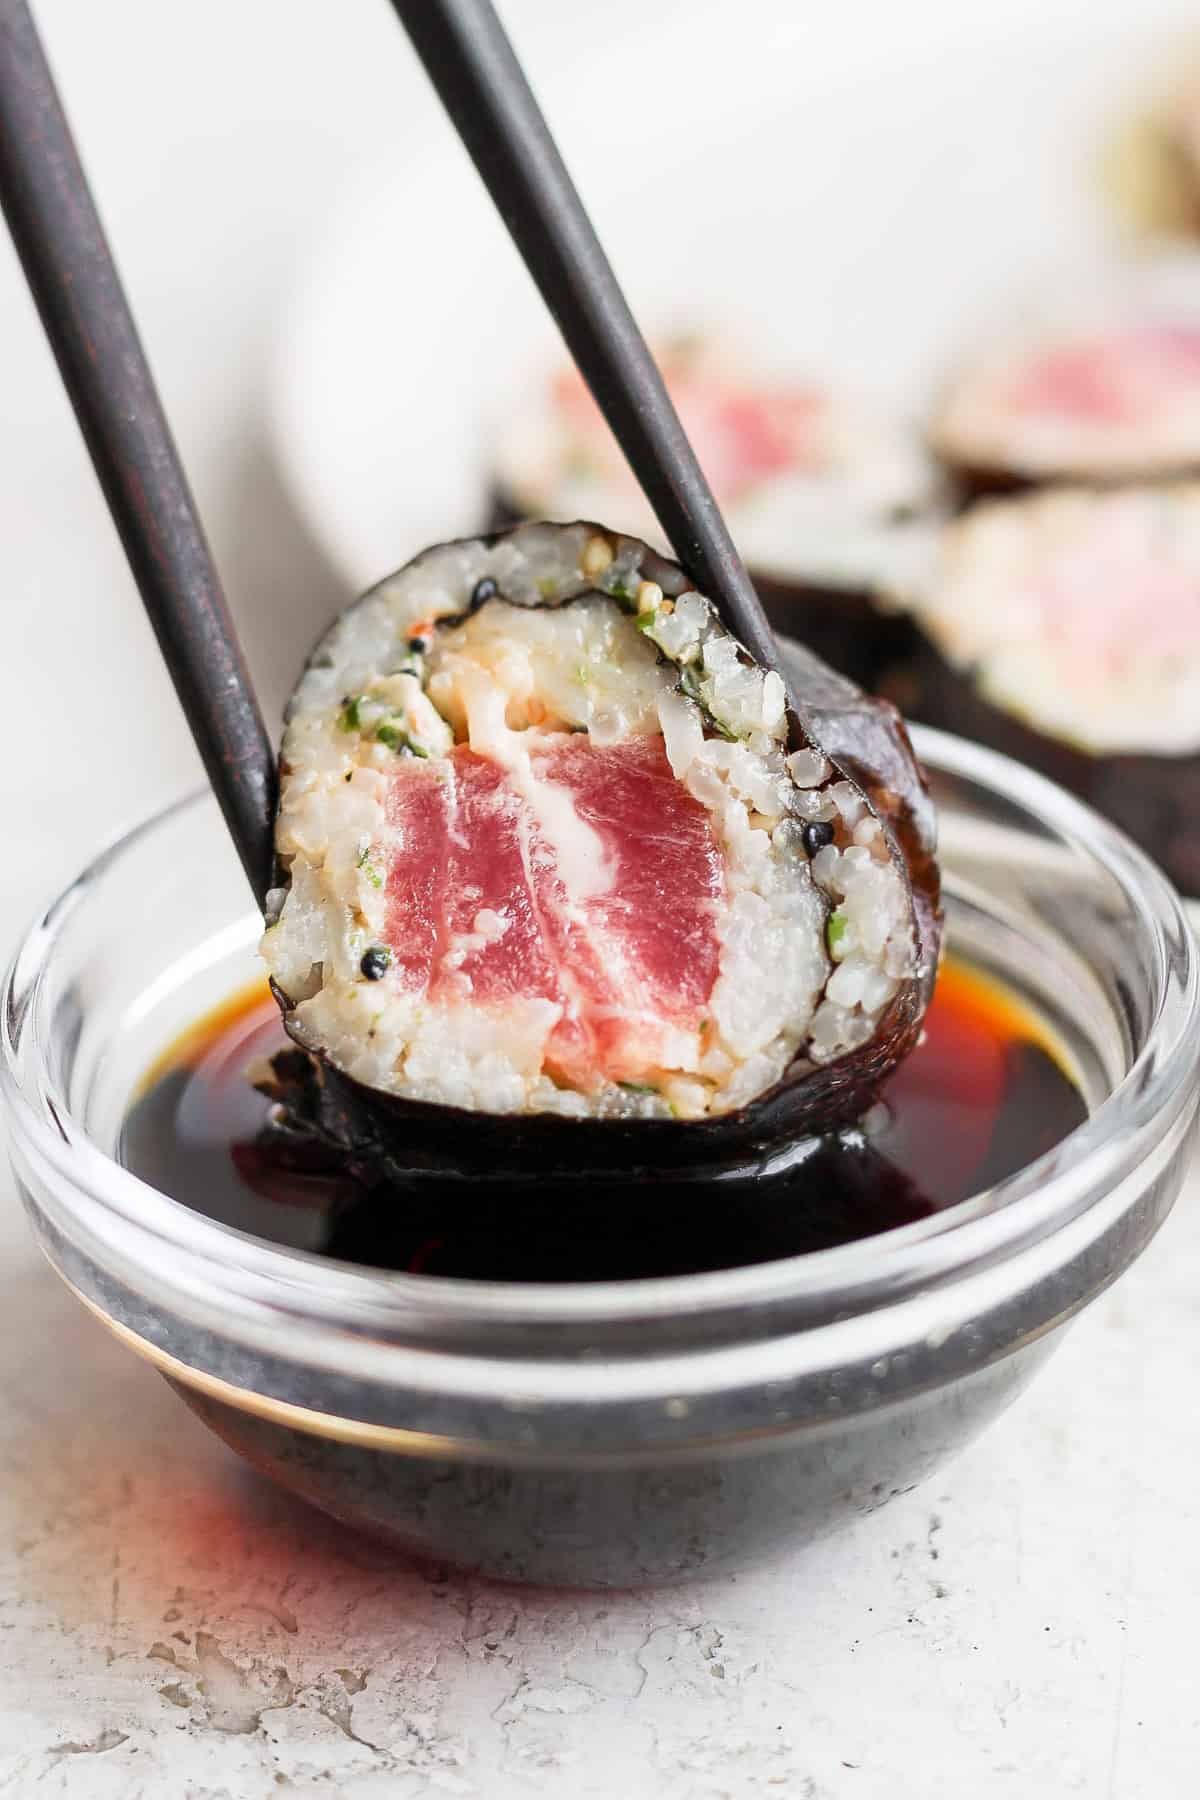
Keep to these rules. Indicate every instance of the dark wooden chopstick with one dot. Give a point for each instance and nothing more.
(70, 270)
(480, 82)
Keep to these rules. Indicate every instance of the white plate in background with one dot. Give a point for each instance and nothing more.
(851, 186)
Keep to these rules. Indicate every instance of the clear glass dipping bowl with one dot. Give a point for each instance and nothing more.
(620, 1432)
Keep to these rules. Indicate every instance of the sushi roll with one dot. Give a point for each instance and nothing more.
(553, 849)
(1063, 627)
(822, 494)
(1102, 386)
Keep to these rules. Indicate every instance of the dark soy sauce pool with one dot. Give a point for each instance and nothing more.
(981, 1096)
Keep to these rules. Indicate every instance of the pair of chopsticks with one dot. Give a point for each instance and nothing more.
(74, 281)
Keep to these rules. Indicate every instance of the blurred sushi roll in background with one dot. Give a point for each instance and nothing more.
(1063, 627)
(827, 498)
(1098, 384)
(1040, 594)
(1057, 616)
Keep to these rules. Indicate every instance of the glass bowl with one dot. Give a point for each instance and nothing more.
(619, 1432)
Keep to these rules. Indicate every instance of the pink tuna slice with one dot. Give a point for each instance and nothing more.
(1116, 595)
(1115, 380)
(630, 965)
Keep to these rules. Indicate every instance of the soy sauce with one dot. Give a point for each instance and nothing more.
(983, 1094)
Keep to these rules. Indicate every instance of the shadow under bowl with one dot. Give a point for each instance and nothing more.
(614, 1433)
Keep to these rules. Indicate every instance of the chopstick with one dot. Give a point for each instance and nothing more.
(473, 67)
(74, 281)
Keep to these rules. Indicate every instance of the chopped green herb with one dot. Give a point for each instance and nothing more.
(583, 674)
(368, 868)
(637, 1087)
(689, 687)
(835, 931)
(647, 621)
(348, 718)
(547, 587)
(621, 594)
(394, 737)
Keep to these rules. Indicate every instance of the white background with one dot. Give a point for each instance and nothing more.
(169, 1626)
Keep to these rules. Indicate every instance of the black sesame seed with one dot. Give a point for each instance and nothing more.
(485, 589)
(816, 835)
(418, 644)
(374, 964)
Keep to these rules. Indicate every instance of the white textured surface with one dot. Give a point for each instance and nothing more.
(170, 1627)
(1021, 1629)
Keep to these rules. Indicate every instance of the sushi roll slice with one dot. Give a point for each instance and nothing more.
(553, 848)
(822, 494)
(1102, 386)
(1063, 627)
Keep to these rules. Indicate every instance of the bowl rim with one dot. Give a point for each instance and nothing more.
(870, 1272)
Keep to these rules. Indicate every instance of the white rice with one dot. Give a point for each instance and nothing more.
(810, 953)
